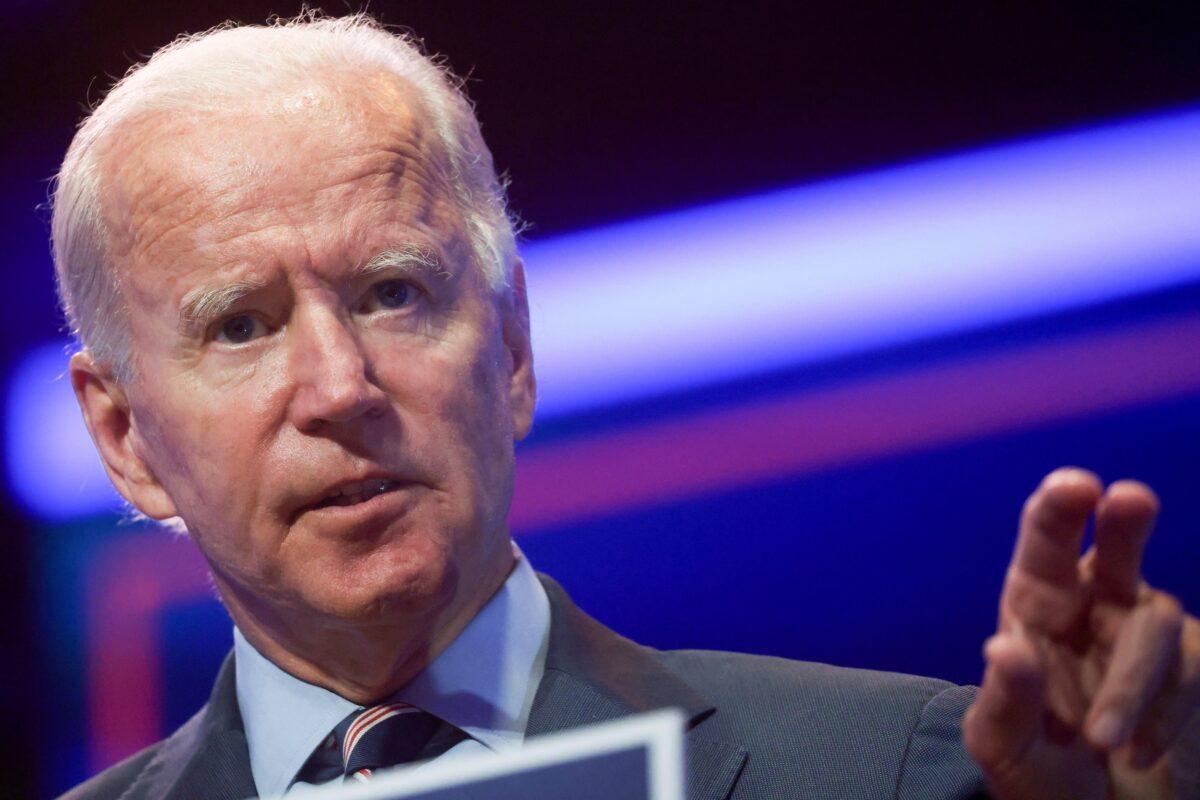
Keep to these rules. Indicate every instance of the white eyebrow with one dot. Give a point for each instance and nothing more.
(204, 304)
(408, 257)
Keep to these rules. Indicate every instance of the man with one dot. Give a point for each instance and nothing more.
(305, 335)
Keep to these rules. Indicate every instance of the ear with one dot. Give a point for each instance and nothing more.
(106, 412)
(523, 384)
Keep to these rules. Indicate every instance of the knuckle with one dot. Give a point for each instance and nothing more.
(1167, 612)
(1044, 608)
(1191, 636)
(1106, 621)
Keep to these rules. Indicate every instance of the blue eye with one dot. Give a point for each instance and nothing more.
(393, 294)
(389, 295)
(239, 329)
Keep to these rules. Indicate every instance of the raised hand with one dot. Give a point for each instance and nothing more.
(1093, 679)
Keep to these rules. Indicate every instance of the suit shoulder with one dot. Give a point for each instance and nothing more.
(740, 676)
(114, 781)
(801, 699)
(824, 731)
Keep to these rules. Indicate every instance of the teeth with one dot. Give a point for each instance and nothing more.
(374, 486)
(359, 492)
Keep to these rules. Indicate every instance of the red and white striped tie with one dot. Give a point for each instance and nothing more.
(391, 734)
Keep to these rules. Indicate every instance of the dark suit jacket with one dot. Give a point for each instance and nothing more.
(758, 727)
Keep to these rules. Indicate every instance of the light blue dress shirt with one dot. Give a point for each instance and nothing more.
(483, 683)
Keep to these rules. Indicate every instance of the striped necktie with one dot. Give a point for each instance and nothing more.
(391, 734)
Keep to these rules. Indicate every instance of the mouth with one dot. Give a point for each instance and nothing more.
(356, 493)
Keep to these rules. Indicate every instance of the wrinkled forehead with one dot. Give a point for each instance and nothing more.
(209, 173)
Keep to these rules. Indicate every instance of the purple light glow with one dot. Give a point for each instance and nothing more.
(52, 466)
(778, 280)
(783, 279)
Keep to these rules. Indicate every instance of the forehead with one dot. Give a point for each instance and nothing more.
(314, 167)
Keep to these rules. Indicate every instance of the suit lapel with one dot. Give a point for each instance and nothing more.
(594, 675)
(206, 758)
(219, 771)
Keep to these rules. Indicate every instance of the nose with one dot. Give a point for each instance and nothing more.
(334, 380)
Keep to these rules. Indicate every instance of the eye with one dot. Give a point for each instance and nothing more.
(240, 329)
(389, 295)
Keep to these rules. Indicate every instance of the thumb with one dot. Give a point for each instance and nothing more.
(1006, 719)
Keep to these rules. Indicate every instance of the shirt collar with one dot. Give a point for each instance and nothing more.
(483, 683)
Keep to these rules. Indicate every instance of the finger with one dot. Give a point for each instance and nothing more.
(1147, 646)
(1174, 711)
(1007, 716)
(1053, 523)
(1042, 587)
(1176, 721)
(1125, 517)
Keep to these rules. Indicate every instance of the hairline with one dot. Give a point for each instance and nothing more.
(440, 105)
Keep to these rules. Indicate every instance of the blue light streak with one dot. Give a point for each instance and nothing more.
(801, 275)
(778, 280)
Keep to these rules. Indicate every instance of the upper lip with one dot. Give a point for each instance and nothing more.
(358, 483)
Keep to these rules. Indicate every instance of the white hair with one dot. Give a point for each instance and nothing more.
(203, 72)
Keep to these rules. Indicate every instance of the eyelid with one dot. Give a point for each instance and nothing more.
(213, 331)
(405, 278)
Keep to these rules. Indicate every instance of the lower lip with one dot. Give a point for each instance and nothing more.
(364, 516)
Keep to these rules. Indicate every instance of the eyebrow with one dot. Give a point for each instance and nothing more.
(204, 304)
(410, 257)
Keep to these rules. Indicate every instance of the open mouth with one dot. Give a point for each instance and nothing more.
(358, 492)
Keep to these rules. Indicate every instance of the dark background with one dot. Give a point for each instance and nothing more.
(601, 112)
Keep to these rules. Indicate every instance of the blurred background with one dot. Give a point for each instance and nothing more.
(819, 294)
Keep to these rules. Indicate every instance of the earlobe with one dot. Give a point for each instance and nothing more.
(523, 383)
(107, 414)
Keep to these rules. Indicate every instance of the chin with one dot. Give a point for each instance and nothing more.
(389, 585)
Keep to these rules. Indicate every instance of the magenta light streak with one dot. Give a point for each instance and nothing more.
(959, 400)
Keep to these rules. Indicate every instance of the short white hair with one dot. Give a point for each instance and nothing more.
(203, 72)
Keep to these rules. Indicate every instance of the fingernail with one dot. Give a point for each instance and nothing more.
(1106, 730)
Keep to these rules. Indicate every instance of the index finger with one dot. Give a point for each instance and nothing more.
(1042, 587)
(1124, 520)
(1052, 525)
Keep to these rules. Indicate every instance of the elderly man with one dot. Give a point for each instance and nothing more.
(305, 335)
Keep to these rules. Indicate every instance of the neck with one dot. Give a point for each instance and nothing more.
(364, 663)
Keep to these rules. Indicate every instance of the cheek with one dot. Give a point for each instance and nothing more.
(488, 437)
(207, 457)
(454, 408)
(479, 409)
